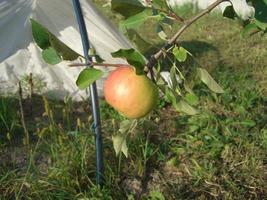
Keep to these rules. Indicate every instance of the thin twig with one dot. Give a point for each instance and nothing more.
(27, 138)
(96, 64)
(31, 91)
(172, 14)
(169, 12)
(187, 23)
(176, 17)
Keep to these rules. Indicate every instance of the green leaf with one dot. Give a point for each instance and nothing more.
(209, 81)
(180, 53)
(183, 106)
(119, 140)
(261, 14)
(156, 195)
(261, 11)
(249, 30)
(167, 21)
(139, 42)
(46, 40)
(173, 77)
(261, 25)
(192, 99)
(40, 35)
(229, 12)
(248, 122)
(51, 56)
(87, 77)
(119, 144)
(66, 52)
(172, 162)
(125, 126)
(133, 57)
(160, 4)
(135, 21)
(160, 31)
(169, 95)
(127, 8)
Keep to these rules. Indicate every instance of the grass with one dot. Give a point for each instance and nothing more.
(217, 154)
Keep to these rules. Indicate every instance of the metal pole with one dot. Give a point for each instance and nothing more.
(94, 95)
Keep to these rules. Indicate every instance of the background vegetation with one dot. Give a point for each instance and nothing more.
(217, 154)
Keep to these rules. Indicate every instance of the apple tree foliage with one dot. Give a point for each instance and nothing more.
(176, 89)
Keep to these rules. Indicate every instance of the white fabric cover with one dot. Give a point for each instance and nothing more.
(19, 56)
(241, 7)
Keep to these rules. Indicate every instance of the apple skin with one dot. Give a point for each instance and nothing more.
(134, 96)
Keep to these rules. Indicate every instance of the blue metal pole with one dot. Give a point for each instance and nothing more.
(94, 95)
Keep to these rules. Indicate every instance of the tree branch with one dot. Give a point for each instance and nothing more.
(176, 17)
(154, 58)
(96, 64)
(187, 23)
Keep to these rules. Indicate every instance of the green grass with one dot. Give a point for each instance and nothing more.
(217, 154)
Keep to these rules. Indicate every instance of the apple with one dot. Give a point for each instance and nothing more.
(132, 95)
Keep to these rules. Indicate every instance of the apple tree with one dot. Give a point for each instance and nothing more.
(176, 88)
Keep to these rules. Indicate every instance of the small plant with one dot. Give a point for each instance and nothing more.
(32, 84)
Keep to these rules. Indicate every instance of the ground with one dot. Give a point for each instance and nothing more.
(218, 154)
